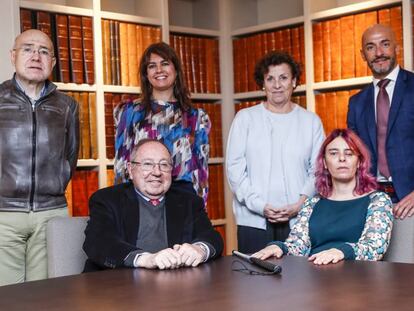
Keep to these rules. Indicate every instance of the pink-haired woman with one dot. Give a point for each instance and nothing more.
(348, 219)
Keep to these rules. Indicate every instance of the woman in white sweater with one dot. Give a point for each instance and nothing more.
(271, 153)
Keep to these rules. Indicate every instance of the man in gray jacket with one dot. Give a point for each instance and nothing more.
(39, 141)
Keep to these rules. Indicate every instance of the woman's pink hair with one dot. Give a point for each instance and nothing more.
(365, 182)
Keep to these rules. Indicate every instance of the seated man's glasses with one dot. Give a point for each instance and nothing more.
(149, 166)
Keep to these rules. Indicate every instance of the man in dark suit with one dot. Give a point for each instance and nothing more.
(393, 153)
(146, 223)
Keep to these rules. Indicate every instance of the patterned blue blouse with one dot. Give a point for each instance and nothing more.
(360, 228)
(185, 133)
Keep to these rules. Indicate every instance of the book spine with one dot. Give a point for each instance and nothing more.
(88, 54)
(75, 48)
(62, 44)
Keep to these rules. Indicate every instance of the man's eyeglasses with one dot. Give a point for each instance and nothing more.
(149, 166)
(28, 50)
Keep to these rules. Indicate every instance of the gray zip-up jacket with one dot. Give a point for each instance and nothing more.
(38, 148)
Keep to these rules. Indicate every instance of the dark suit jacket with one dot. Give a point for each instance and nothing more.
(400, 133)
(112, 230)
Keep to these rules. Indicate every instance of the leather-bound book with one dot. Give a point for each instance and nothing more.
(217, 88)
(251, 63)
(123, 39)
(112, 52)
(93, 130)
(279, 44)
(271, 40)
(318, 51)
(335, 43)
(110, 177)
(88, 57)
(342, 98)
(106, 52)
(156, 34)
(209, 64)
(330, 113)
(75, 48)
(359, 28)
(384, 17)
(109, 126)
(287, 40)
(195, 64)
(219, 129)
(116, 50)
(140, 48)
(396, 25)
(202, 57)
(132, 55)
(85, 124)
(244, 65)
(326, 51)
(212, 201)
(187, 63)
(146, 36)
(220, 181)
(79, 194)
(322, 110)
(258, 53)
(295, 44)
(347, 47)
(27, 19)
(302, 54)
(62, 46)
(43, 22)
(236, 64)
(265, 43)
(92, 182)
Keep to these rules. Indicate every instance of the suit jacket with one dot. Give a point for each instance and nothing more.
(112, 230)
(400, 133)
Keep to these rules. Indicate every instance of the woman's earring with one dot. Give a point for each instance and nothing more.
(263, 89)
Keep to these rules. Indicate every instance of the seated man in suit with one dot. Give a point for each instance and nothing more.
(146, 223)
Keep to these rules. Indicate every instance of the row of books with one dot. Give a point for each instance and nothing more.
(88, 147)
(215, 200)
(111, 101)
(337, 43)
(332, 108)
(82, 185)
(200, 59)
(72, 37)
(122, 47)
(298, 99)
(216, 133)
(249, 49)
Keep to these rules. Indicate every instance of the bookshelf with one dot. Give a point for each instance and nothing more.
(195, 20)
(223, 20)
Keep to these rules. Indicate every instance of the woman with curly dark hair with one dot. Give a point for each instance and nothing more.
(164, 112)
(271, 151)
(349, 219)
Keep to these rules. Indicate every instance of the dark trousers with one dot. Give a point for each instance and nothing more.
(251, 240)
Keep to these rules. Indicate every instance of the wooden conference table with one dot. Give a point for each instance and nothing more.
(214, 286)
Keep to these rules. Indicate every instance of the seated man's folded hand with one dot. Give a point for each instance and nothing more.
(191, 254)
(164, 259)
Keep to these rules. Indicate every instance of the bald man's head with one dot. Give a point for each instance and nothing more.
(32, 57)
(379, 50)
